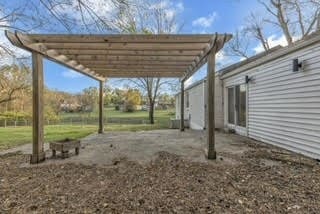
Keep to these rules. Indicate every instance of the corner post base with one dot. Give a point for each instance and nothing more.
(38, 158)
(211, 155)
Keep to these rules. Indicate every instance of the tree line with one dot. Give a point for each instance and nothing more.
(16, 93)
(294, 19)
(78, 16)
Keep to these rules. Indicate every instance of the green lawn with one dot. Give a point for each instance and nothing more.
(110, 112)
(162, 117)
(11, 137)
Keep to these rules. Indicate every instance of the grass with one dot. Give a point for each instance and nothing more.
(162, 117)
(110, 112)
(12, 137)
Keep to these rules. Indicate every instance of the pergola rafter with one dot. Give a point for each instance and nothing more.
(121, 56)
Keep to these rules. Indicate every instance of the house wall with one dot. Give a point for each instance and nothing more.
(196, 110)
(177, 105)
(197, 104)
(219, 103)
(284, 106)
(186, 110)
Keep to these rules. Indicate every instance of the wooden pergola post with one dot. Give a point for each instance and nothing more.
(101, 128)
(38, 154)
(210, 150)
(182, 106)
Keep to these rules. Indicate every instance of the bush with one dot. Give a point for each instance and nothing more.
(171, 113)
(129, 107)
(15, 115)
(51, 115)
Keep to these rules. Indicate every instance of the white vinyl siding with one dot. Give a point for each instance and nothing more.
(197, 105)
(218, 103)
(284, 106)
(177, 104)
(196, 108)
(186, 111)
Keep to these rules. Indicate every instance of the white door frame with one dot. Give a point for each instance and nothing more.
(238, 129)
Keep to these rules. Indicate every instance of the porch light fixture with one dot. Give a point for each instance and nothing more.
(296, 65)
(248, 79)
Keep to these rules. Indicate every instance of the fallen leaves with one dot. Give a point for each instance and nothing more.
(288, 183)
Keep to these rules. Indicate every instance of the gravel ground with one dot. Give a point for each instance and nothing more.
(264, 180)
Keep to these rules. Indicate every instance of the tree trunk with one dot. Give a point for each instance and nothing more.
(151, 113)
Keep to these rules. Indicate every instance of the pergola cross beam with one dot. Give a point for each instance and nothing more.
(146, 53)
(23, 41)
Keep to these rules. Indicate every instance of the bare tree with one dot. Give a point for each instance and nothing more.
(239, 45)
(132, 19)
(296, 19)
(84, 15)
(279, 9)
(252, 30)
(13, 79)
(255, 27)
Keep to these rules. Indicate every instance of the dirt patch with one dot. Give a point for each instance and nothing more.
(167, 183)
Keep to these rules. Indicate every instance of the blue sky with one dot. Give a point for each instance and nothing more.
(205, 16)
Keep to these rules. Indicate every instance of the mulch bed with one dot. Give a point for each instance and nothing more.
(290, 184)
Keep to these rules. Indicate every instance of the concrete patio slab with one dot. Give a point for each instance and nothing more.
(142, 147)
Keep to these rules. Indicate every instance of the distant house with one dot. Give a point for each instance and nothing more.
(75, 107)
(273, 97)
(70, 107)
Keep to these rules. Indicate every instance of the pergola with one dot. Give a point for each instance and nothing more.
(121, 56)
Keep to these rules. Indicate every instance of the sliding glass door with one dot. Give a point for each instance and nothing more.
(237, 105)
(231, 107)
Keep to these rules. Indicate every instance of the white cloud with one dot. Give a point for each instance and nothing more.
(223, 60)
(171, 10)
(242, 58)
(180, 6)
(188, 82)
(273, 41)
(6, 47)
(168, 5)
(102, 8)
(220, 56)
(205, 22)
(71, 74)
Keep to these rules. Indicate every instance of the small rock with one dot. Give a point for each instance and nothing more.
(12, 204)
(200, 181)
(294, 207)
(33, 207)
(116, 162)
(141, 201)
